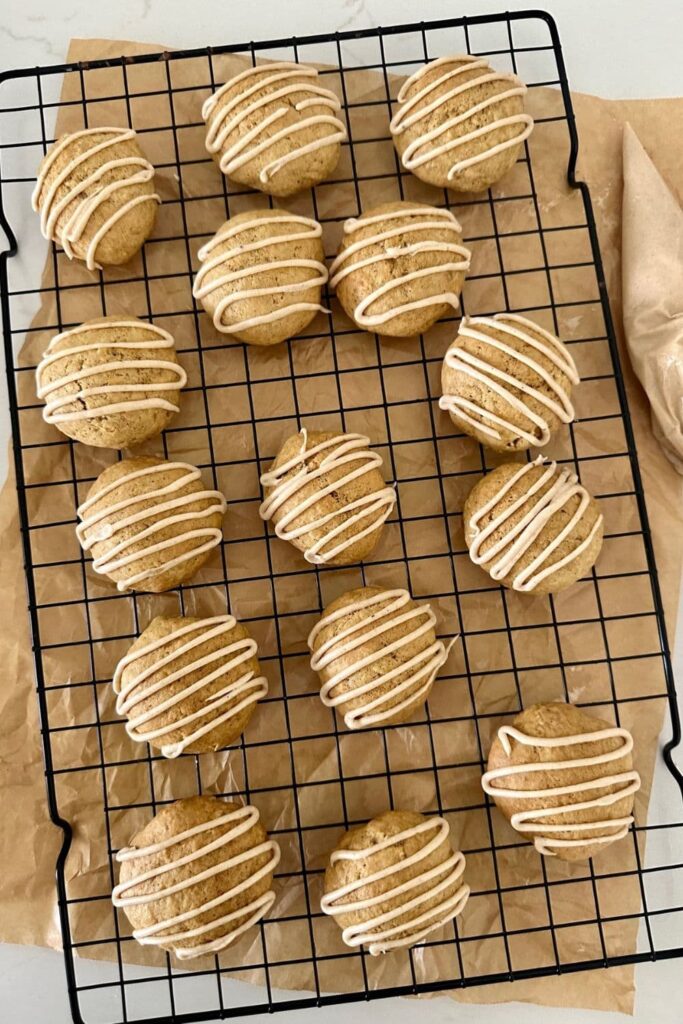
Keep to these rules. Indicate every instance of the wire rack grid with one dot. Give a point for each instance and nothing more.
(600, 649)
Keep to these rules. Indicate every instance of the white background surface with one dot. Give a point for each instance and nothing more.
(614, 48)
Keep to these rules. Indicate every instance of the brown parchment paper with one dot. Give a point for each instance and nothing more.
(28, 844)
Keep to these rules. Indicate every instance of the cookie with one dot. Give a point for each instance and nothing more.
(326, 494)
(197, 876)
(274, 128)
(150, 524)
(393, 881)
(95, 195)
(564, 779)
(533, 527)
(189, 684)
(261, 276)
(111, 383)
(377, 656)
(460, 124)
(507, 382)
(400, 267)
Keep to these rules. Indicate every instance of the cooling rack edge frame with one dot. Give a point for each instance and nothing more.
(669, 746)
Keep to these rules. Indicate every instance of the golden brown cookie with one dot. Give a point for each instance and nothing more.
(533, 527)
(261, 276)
(189, 684)
(460, 124)
(112, 382)
(95, 194)
(393, 881)
(150, 524)
(400, 267)
(197, 876)
(275, 128)
(544, 774)
(507, 382)
(326, 494)
(377, 656)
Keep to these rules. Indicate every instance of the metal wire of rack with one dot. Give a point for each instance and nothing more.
(320, 375)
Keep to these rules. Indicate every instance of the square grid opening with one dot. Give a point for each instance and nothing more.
(601, 645)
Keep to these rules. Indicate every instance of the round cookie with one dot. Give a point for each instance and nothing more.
(111, 383)
(95, 194)
(150, 524)
(544, 774)
(533, 527)
(393, 881)
(261, 276)
(189, 684)
(197, 876)
(377, 655)
(326, 494)
(460, 124)
(273, 128)
(507, 382)
(400, 267)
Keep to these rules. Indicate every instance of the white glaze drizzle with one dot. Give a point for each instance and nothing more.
(237, 695)
(349, 450)
(202, 288)
(383, 612)
(238, 823)
(166, 511)
(251, 144)
(53, 405)
(51, 207)
(412, 111)
(506, 552)
(431, 218)
(533, 819)
(506, 385)
(378, 933)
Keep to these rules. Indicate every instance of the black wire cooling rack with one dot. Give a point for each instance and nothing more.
(605, 647)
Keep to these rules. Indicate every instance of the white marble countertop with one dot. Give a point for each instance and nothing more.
(613, 48)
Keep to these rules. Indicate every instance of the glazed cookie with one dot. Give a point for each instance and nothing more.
(326, 494)
(460, 124)
(507, 382)
(400, 267)
(111, 383)
(197, 876)
(533, 527)
(377, 655)
(96, 197)
(150, 524)
(261, 276)
(273, 128)
(393, 881)
(564, 779)
(189, 684)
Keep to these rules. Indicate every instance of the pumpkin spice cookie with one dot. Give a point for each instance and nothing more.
(460, 124)
(150, 524)
(533, 527)
(400, 267)
(377, 655)
(393, 881)
(111, 383)
(197, 877)
(507, 382)
(189, 684)
(261, 276)
(274, 128)
(326, 494)
(95, 195)
(564, 779)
